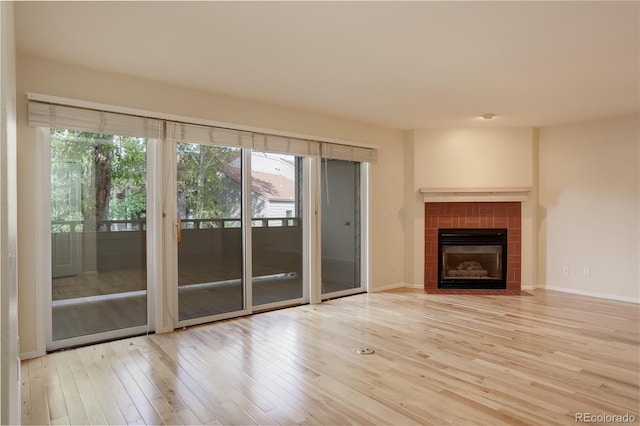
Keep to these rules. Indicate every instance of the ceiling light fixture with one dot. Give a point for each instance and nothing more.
(488, 115)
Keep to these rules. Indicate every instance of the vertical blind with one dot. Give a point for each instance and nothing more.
(42, 114)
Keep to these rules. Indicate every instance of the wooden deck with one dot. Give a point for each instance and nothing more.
(439, 359)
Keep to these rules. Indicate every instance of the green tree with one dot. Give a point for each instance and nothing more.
(128, 177)
(204, 187)
(97, 177)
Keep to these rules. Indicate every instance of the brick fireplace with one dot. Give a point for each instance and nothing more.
(506, 215)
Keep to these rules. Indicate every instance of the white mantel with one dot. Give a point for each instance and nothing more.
(480, 194)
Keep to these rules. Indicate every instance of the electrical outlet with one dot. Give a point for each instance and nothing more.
(565, 270)
(587, 272)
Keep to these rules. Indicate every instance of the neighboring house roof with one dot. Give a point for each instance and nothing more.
(271, 186)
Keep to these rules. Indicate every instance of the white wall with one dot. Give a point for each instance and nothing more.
(412, 218)
(495, 157)
(473, 157)
(590, 207)
(52, 78)
(9, 365)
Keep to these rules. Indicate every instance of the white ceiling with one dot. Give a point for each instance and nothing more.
(397, 64)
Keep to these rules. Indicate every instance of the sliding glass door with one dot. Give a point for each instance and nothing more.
(98, 227)
(209, 231)
(276, 229)
(149, 225)
(213, 252)
(238, 244)
(341, 228)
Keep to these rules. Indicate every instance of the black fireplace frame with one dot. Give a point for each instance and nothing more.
(472, 237)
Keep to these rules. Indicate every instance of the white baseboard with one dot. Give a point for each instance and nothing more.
(416, 286)
(529, 287)
(28, 355)
(592, 294)
(396, 285)
(388, 287)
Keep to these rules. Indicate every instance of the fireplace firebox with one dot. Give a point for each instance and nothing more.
(472, 258)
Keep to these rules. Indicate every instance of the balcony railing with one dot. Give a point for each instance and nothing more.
(78, 226)
(217, 223)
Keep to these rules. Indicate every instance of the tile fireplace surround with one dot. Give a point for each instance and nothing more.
(472, 215)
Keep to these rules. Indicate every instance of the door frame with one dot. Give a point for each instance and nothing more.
(170, 214)
(171, 237)
(365, 266)
(44, 308)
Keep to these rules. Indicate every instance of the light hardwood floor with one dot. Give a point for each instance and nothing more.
(439, 359)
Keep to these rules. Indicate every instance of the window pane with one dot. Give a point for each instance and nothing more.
(276, 227)
(98, 233)
(340, 225)
(210, 253)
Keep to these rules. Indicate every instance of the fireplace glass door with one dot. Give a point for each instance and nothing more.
(472, 258)
(472, 262)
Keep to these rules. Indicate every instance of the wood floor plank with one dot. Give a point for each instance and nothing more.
(173, 382)
(126, 369)
(25, 391)
(39, 402)
(439, 359)
(89, 399)
(55, 402)
(65, 368)
(61, 421)
(102, 380)
(126, 405)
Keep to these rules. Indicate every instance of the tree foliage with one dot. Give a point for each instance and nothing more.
(204, 190)
(97, 177)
